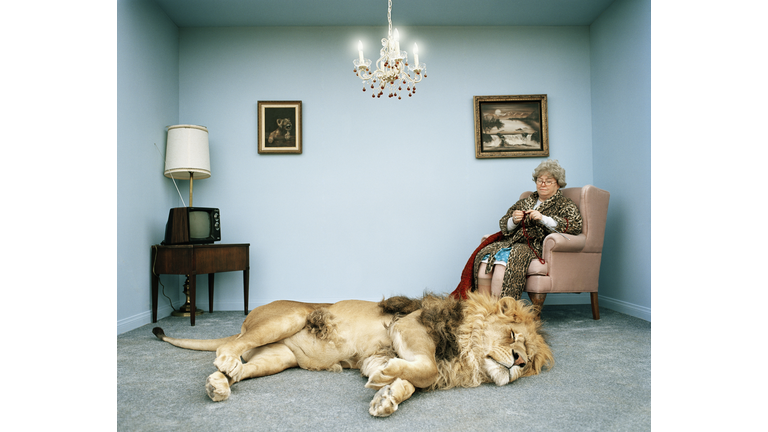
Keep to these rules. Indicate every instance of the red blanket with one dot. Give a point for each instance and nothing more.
(467, 276)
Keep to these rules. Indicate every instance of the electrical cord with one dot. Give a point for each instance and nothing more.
(158, 278)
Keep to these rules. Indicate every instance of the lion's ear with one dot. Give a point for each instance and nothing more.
(506, 306)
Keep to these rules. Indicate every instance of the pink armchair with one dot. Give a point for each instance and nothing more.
(572, 263)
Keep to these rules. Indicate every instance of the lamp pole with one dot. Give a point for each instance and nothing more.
(191, 175)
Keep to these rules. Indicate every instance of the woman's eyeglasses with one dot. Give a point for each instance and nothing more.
(546, 182)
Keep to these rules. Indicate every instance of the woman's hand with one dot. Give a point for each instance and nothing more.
(534, 215)
(519, 215)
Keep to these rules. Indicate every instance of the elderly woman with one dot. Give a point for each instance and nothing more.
(500, 266)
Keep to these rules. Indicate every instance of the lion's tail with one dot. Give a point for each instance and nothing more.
(193, 344)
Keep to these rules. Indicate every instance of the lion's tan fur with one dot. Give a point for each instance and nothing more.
(399, 344)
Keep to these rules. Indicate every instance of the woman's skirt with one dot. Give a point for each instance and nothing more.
(501, 257)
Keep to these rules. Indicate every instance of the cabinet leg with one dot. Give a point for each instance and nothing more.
(210, 292)
(155, 279)
(246, 277)
(192, 298)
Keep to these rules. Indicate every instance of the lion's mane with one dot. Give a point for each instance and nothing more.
(459, 329)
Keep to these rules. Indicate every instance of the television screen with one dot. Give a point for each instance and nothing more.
(199, 224)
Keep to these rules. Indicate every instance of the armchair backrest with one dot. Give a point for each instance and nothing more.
(593, 205)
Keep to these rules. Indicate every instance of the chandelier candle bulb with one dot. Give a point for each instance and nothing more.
(360, 51)
(397, 44)
(415, 56)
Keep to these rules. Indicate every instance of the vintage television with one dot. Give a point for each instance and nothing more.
(192, 225)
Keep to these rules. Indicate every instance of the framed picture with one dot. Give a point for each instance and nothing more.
(511, 126)
(279, 127)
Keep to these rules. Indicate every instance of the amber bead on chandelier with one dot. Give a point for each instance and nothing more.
(392, 67)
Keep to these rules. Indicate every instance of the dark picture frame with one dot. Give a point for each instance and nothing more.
(279, 127)
(511, 126)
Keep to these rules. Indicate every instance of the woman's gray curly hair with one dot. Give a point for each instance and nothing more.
(553, 168)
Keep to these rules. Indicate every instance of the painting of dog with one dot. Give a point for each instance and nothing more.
(279, 127)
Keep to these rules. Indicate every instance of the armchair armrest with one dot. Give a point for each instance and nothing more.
(558, 243)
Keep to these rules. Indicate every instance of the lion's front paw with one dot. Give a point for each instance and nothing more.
(515, 373)
(229, 366)
(217, 387)
(383, 403)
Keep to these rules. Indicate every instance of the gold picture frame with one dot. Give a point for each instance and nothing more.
(279, 127)
(511, 126)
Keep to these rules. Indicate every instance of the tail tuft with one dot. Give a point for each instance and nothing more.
(158, 332)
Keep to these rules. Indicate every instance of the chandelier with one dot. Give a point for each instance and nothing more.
(391, 68)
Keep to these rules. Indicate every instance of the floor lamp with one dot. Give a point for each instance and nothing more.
(187, 158)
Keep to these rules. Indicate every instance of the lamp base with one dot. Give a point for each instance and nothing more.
(184, 311)
(187, 309)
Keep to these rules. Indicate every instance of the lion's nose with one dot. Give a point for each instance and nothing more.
(518, 360)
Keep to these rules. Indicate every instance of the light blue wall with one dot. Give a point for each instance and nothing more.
(620, 45)
(147, 101)
(387, 197)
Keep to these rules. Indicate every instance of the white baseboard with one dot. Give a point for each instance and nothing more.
(631, 309)
(138, 320)
(144, 318)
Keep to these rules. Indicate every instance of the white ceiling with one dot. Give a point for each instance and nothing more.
(237, 13)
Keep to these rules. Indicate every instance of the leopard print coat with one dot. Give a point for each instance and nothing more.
(559, 208)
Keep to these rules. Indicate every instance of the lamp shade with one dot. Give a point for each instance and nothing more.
(187, 152)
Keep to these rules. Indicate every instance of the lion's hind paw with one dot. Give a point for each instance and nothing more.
(383, 403)
(378, 381)
(217, 387)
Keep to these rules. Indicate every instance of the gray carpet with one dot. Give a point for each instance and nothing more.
(601, 382)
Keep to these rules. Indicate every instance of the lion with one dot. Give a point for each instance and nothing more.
(400, 344)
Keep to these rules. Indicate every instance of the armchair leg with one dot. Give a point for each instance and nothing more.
(538, 300)
(595, 308)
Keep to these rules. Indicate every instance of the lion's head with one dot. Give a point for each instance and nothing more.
(498, 341)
